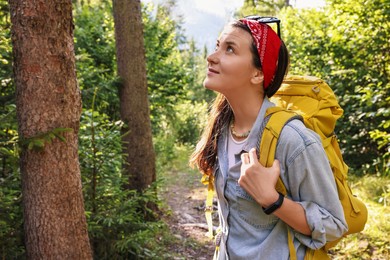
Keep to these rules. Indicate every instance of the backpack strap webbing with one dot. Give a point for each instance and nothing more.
(209, 181)
(279, 117)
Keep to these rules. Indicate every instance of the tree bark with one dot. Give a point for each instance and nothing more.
(48, 98)
(139, 163)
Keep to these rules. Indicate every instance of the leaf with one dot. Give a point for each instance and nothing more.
(5, 151)
(62, 138)
(39, 143)
(30, 145)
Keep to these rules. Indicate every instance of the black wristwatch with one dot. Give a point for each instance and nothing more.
(275, 205)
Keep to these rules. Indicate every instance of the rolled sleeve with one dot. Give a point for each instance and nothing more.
(327, 229)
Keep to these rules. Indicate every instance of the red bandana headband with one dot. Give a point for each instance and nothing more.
(268, 44)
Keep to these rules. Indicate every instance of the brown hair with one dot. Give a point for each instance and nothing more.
(205, 155)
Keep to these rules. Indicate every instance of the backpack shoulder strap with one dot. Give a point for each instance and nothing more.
(278, 118)
(209, 181)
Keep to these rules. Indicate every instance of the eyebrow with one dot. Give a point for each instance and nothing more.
(231, 43)
(228, 42)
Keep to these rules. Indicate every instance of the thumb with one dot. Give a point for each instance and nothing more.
(276, 165)
(252, 155)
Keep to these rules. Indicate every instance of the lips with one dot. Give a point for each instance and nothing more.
(211, 70)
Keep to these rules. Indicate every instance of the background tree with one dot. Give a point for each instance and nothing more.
(116, 216)
(262, 7)
(48, 112)
(138, 151)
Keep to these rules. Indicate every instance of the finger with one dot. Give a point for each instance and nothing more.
(244, 158)
(276, 166)
(252, 155)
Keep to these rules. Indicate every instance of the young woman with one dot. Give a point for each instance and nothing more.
(246, 68)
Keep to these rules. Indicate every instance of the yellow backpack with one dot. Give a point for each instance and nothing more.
(313, 100)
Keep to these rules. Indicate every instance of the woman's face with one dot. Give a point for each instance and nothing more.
(230, 66)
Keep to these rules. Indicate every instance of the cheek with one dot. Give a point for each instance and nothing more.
(239, 71)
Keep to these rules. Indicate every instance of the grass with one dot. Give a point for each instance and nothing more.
(374, 241)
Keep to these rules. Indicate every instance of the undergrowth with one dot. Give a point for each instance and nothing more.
(374, 241)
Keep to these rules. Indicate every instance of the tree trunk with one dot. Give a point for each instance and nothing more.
(47, 99)
(139, 163)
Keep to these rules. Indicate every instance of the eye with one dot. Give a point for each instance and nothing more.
(216, 46)
(229, 49)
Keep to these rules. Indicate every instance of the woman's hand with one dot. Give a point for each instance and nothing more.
(258, 180)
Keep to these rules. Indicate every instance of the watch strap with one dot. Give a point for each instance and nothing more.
(274, 206)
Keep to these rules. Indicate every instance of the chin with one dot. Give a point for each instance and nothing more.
(206, 84)
(209, 85)
(210, 88)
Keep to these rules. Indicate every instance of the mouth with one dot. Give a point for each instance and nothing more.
(211, 70)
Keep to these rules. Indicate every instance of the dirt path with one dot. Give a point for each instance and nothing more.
(185, 196)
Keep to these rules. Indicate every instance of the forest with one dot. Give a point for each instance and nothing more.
(88, 148)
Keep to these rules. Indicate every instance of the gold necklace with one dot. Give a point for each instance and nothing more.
(235, 134)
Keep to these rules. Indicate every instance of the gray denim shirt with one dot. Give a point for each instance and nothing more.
(247, 232)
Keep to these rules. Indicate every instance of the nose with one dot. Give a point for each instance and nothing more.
(213, 57)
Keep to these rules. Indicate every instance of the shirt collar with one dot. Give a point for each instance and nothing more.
(252, 138)
(255, 132)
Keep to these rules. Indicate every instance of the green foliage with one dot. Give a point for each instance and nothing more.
(168, 73)
(11, 222)
(347, 45)
(38, 142)
(95, 57)
(305, 34)
(197, 64)
(117, 218)
(164, 143)
(261, 7)
(191, 119)
(360, 44)
(142, 245)
(100, 152)
(173, 77)
(6, 84)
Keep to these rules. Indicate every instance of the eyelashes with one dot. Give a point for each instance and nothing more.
(228, 48)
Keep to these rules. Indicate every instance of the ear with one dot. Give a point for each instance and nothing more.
(257, 77)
